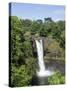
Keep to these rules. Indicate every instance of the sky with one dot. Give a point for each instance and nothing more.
(37, 11)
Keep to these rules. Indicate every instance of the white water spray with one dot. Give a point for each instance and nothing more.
(42, 71)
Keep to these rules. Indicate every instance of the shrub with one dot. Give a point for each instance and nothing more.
(57, 78)
(20, 77)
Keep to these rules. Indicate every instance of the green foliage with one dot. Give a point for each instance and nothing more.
(31, 67)
(27, 48)
(57, 78)
(20, 76)
(21, 49)
(36, 27)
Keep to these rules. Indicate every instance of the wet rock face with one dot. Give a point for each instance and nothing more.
(35, 38)
(33, 43)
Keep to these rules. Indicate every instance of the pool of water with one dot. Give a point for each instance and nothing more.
(55, 65)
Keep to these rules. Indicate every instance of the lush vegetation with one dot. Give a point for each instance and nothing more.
(23, 62)
(56, 78)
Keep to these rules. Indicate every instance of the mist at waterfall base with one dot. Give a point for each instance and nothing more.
(42, 73)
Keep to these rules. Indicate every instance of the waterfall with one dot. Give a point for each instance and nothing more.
(40, 55)
(42, 71)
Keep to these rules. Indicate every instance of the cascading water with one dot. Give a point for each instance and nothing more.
(40, 55)
(42, 71)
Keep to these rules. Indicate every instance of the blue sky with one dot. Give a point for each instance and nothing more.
(37, 11)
